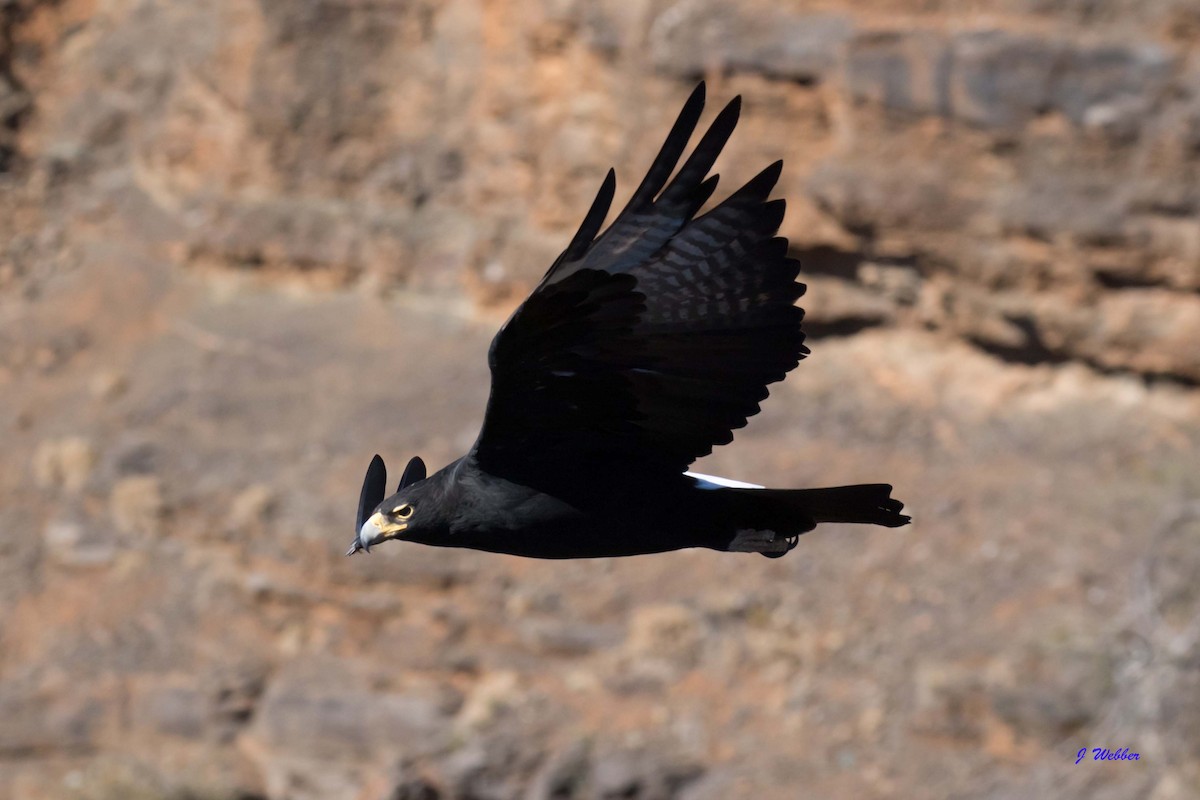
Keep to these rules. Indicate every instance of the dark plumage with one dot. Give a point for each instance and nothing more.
(641, 349)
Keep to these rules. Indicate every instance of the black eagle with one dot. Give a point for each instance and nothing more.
(641, 349)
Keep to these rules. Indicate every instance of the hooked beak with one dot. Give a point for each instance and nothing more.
(375, 529)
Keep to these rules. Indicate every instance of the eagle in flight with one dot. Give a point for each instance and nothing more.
(642, 348)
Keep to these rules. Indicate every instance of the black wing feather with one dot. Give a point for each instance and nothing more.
(374, 488)
(414, 472)
(645, 347)
(664, 163)
(591, 223)
(681, 192)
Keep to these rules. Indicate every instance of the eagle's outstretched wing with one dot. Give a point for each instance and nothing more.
(644, 347)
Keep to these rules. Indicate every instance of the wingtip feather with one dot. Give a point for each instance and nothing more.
(590, 227)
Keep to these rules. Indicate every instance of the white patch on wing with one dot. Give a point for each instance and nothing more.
(714, 482)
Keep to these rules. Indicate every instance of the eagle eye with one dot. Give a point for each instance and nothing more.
(403, 511)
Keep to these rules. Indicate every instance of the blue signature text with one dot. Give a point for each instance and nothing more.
(1104, 754)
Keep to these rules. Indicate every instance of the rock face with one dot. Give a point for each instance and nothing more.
(1035, 172)
(243, 246)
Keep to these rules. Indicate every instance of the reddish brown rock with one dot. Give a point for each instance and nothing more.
(289, 230)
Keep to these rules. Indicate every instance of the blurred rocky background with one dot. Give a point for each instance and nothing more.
(245, 245)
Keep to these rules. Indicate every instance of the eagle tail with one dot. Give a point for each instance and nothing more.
(768, 521)
(869, 503)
